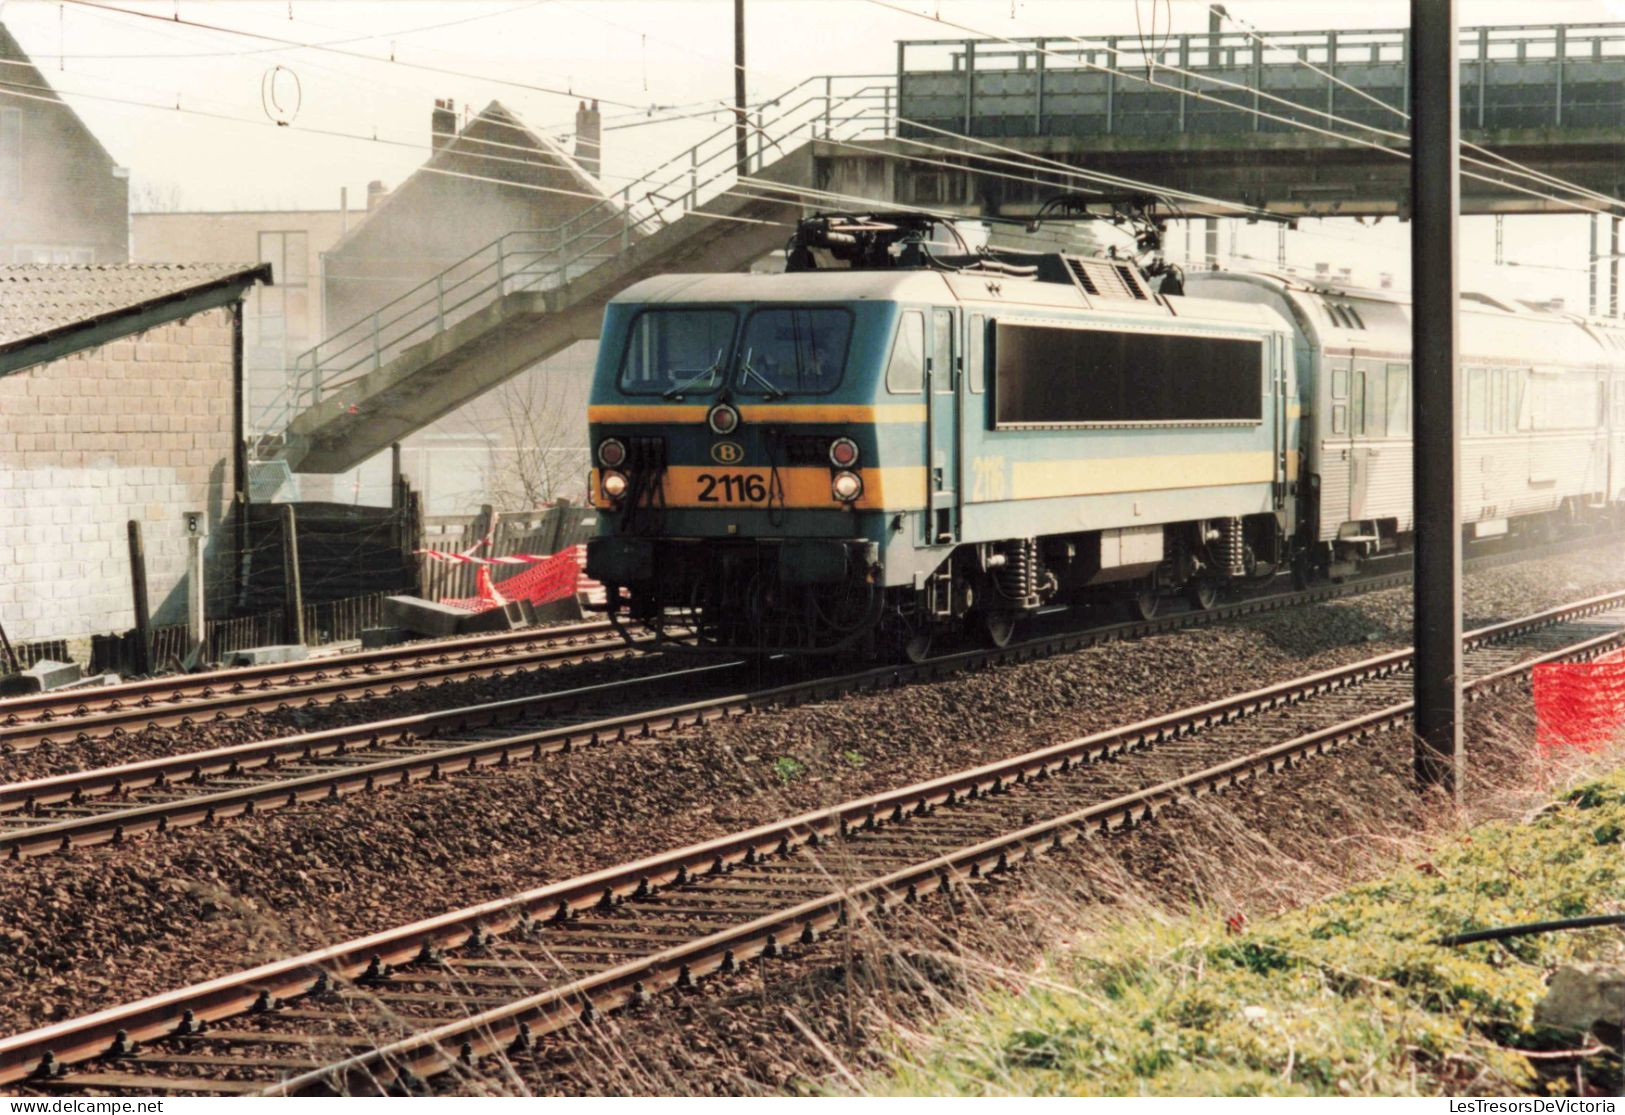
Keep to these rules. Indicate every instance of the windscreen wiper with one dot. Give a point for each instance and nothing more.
(774, 391)
(675, 392)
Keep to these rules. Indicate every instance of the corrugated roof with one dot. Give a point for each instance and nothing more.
(40, 298)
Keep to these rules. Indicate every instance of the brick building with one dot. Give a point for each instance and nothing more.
(62, 197)
(119, 400)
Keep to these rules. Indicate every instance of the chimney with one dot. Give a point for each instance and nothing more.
(442, 123)
(375, 193)
(589, 130)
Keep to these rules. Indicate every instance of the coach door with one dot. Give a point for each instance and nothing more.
(942, 399)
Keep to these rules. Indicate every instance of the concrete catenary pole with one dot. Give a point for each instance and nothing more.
(741, 148)
(1435, 202)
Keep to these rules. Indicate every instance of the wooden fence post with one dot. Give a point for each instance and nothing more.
(138, 600)
(293, 604)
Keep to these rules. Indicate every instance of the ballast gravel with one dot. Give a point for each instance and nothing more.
(91, 928)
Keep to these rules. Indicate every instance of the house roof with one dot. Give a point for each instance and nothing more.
(500, 139)
(29, 80)
(50, 310)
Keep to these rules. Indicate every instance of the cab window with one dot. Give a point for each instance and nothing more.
(677, 352)
(905, 373)
(794, 351)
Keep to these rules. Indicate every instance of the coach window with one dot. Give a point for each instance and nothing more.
(1477, 401)
(976, 354)
(1399, 400)
(1376, 421)
(1498, 401)
(1357, 403)
(905, 374)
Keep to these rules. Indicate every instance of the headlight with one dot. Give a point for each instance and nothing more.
(843, 452)
(612, 453)
(613, 484)
(846, 486)
(723, 419)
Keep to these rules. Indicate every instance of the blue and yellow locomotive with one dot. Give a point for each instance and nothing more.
(860, 457)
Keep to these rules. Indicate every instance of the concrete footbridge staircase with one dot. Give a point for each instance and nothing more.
(531, 294)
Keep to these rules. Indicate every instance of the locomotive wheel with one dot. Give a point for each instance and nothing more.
(1202, 594)
(1145, 602)
(998, 628)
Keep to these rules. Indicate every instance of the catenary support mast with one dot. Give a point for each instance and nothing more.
(1435, 201)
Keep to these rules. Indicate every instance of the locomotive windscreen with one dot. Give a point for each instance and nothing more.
(1048, 375)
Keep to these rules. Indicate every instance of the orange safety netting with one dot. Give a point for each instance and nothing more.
(552, 578)
(1579, 704)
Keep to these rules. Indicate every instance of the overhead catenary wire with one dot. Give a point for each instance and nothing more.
(97, 5)
(1022, 160)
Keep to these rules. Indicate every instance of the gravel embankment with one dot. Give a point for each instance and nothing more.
(836, 1017)
(83, 930)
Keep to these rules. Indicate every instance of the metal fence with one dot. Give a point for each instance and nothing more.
(543, 531)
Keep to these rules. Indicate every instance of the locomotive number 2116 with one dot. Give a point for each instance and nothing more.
(731, 487)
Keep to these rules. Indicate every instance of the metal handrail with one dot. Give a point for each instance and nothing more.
(528, 260)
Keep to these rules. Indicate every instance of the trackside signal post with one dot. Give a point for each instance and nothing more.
(1435, 202)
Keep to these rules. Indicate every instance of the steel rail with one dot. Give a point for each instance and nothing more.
(43, 1053)
(174, 688)
(308, 693)
(210, 807)
(233, 759)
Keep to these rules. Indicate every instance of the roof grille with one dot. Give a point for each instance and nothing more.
(1105, 279)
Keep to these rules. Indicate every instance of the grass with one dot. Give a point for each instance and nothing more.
(1346, 996)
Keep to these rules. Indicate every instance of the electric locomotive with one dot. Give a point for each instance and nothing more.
(890, 441)
(893, 440)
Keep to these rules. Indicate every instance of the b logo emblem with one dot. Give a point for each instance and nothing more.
(727, 453)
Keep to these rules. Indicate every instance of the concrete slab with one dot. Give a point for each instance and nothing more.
(424, 617)
(491, 620)
(42, 676)
(262, 656)
(374, 637)
(567, 610)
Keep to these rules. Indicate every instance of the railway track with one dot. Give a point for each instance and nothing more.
(390, 1011)
(187, 699)
(84, 714)
(176, 792)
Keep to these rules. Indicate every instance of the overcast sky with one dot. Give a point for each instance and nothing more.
(539, 56)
